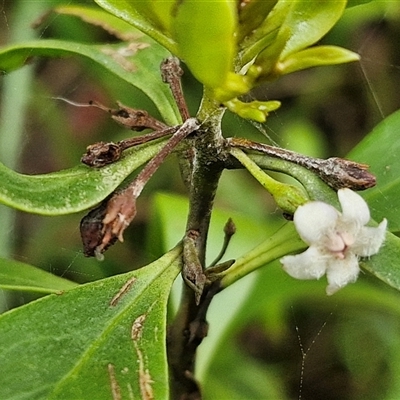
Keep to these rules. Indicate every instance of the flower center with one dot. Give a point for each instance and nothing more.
(338, 243)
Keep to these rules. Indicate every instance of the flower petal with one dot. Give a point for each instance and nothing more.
(341, 272)
(354, 207)
(314, 220)
(310, 264)
(369, 240)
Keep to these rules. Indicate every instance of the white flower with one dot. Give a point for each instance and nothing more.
(337, 240)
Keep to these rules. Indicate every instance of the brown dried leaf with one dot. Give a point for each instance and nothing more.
(101, 228)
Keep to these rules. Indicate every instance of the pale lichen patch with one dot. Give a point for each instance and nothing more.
(115, 389)
(124, 289)
(145, 380)
(122, 54)
(137, 327)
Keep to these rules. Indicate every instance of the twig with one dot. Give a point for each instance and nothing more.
(229, 231)
(171, 73)
(103, 153)
(336, 172)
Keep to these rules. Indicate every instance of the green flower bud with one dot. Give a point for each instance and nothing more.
(255, 110)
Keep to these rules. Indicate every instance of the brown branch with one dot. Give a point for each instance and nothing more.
(171, 73)
(104, 153)
(336, 172)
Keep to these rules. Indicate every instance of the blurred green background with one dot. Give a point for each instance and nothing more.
(271, 337)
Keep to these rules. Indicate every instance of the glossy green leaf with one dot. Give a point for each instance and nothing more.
(299, 24)
(308, 21)
(95, 16)
(103, 340)
(204, 32)
(315, 57)
(15, 275)
(380, 149)
(128, 11)
(72, 190)
(137, 63)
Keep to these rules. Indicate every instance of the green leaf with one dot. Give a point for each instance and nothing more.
(380, 149)
(141, 68)
(102, 340)
(251, 15)
(70, 190)
(160, 12)
(353, 3)
(204, 32)
(110, 23)
(299, 24)
(386, 264)
(308, 21)
(127, 11)
(15, 275)
(265, 36)
(316, 56)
